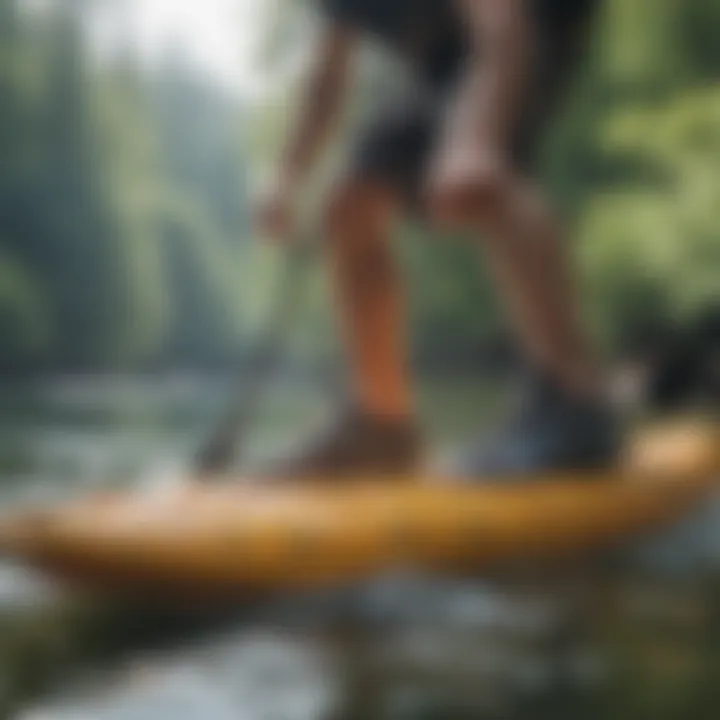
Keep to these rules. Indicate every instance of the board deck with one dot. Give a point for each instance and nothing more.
(228, 539)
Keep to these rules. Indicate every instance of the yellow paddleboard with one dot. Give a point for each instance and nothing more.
(223, 541)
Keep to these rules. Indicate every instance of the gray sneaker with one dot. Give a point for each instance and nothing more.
(550, 431)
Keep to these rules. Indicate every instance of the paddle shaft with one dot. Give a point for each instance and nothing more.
(224, 444)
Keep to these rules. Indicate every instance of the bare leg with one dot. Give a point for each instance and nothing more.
(368, 291)
(474, 189)
(533, 269)
(376, 435)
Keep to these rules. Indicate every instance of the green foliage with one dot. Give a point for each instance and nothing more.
(124, 241)
(120, 200)
(652, 250)
(23, 311)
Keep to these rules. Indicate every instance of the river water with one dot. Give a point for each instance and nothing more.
(634, 636)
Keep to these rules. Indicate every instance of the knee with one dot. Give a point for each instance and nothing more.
(475, 199)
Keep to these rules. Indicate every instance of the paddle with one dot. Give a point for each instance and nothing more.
(224, 444)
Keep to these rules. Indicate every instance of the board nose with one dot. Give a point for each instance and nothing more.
(672, 448)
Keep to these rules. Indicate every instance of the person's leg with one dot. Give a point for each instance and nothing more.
(564, 422)
(485, 188)
(377, 433)
(369, 296)
(492, 194)
(374, 433)
(531, 262)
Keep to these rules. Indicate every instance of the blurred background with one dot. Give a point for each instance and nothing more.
(132, 134)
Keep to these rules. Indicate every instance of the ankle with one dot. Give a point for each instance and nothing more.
(385, 411)
(581, 381)
(581, 386)
(585, 386)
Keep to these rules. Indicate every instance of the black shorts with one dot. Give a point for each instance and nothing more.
(394, 146)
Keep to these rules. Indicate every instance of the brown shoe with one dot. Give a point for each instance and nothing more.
(356, 444)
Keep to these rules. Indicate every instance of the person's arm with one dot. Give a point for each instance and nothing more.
(321, 101)
(490, 93)
(472, 159)
(320, 104)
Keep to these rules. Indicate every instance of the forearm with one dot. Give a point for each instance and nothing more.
(495, 78)
(320, 105)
